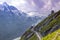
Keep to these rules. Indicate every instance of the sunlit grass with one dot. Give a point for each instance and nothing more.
(53, 36)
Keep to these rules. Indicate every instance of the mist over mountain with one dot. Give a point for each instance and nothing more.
(14, 22)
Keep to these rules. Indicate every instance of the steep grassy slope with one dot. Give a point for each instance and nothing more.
(34, 37)
(45, 27)
(53, 36)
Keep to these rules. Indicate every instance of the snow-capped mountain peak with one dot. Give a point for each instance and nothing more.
(8, 8)
(5, 5)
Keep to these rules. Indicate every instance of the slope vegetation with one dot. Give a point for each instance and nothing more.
(53, 36)
(45, 29)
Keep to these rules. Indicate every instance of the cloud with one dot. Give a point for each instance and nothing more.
(18, 2)
(42, 6)
(50, 5)
(18, 38)
(47, 5)
(8, 1)
(57, 6)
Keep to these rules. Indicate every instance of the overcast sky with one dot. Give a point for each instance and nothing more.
(34, 5)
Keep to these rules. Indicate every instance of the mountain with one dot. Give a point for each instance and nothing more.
(14, 22)
(47, 29)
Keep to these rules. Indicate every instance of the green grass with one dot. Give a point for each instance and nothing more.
(23, 36)
(53, 36)
(51, 24)
(34, 37)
